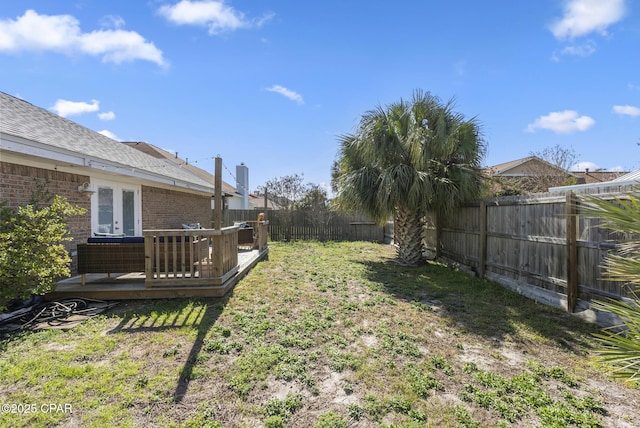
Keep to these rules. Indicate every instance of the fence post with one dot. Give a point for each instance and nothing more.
(483, 239)
(572, 252)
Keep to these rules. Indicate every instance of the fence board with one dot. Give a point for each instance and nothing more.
(303, 225)
(525, 239)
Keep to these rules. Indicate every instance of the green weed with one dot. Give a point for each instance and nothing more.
(331, 420)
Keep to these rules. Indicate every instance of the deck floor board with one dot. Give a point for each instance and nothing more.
(125, 286)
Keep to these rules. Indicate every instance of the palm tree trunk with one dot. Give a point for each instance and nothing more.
(408, 237)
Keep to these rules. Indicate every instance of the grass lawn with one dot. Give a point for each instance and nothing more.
(320, 335)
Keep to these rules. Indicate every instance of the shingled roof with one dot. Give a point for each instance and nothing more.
(159, 153)
(512, 168)
(29, 124)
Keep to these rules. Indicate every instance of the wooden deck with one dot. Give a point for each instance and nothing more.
(126, 286)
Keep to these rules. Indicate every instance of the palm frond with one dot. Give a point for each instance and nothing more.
(620, 345)
(620, 214)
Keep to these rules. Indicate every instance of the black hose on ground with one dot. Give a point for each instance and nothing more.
(53, 314)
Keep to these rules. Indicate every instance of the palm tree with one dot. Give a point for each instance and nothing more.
(620, 344)
(408, 159)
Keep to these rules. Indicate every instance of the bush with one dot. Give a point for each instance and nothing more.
(32, 254)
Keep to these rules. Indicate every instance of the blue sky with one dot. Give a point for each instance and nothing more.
(273, 83)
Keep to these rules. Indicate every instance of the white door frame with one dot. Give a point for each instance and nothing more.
(118, 188)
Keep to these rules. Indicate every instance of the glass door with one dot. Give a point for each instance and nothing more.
(128, 212)
(106, 222)
(117, 210)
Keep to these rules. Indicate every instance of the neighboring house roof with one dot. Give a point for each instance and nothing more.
(257, 202)
(159, 153)
(33, 131)
(589, 177)
(630, 176)
(500, 169)
(521, 168)
(628, 179)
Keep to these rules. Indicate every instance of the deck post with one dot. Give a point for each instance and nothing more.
(217, 187)
(148, 256)
(217, 255)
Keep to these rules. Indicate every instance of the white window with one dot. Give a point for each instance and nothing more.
(116, 208)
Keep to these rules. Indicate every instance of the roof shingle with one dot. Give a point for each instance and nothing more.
(27, 121)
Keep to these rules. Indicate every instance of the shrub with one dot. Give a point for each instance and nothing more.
(32, 254)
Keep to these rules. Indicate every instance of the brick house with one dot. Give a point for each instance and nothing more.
(123, 190)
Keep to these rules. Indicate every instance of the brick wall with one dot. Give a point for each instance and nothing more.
(161, 209)
(169, 209)
(19, 182)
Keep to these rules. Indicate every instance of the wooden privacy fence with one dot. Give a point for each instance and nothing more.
(540, 245)
(305, 225)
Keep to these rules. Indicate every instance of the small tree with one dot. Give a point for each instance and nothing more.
(32, 255)
(556, 170)
(315, 204)
(285, 191)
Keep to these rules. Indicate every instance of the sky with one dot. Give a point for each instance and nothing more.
(275, 83)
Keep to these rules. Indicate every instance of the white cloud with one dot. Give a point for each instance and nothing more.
(627, 110)
(584, 49)
(582, 17)
(70, 108)
(582, 166)
(61, 33)
(215, 15)
(120, 46)
(562, 122)
(618, 168)
(288, 93)
(109, 115)
(109, 134)
(112, 21)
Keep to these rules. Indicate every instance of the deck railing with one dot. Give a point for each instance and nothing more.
(261, 232)
(190, 257)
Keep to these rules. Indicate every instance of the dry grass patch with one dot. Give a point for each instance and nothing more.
(322, 335)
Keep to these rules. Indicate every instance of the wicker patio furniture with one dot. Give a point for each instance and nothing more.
(126, 254)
